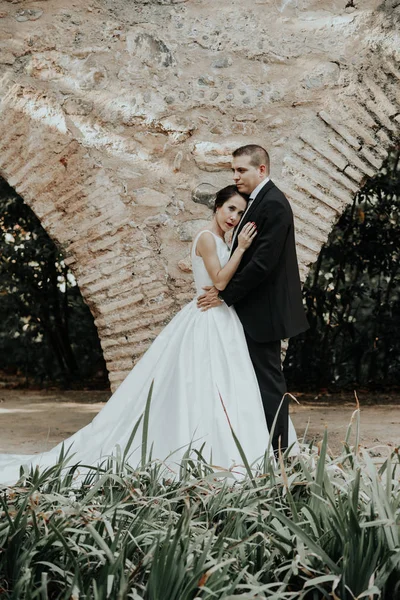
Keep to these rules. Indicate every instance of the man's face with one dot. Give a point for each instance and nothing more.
(246, 176)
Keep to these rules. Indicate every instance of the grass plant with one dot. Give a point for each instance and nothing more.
(307, 527)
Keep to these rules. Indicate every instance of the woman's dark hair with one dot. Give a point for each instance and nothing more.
(227, 192)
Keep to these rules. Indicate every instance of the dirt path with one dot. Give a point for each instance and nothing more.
(34, 421)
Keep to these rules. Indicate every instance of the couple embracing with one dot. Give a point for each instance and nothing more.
(217, 364)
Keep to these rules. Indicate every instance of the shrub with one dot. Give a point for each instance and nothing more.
(313, 526)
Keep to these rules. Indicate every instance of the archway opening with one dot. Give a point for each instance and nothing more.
(47, 333)
(352, 295)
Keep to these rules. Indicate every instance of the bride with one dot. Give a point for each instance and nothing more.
(204, 382)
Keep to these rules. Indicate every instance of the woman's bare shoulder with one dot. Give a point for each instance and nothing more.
(205, 241)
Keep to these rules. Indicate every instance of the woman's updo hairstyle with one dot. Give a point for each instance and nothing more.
(227, 192)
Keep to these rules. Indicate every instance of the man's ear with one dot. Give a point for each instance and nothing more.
(263, 170)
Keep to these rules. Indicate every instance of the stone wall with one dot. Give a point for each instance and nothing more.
(118, 118)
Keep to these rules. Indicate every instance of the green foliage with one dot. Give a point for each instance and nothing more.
(46, 330)
(352, 295)
(315, 527)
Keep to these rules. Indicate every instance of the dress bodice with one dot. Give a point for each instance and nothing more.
(201, 277)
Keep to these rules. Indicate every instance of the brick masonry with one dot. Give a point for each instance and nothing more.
(118, 117)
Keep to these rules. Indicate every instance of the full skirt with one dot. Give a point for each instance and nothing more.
(204, 387)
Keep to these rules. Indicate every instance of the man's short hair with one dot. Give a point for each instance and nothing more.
(258, 155)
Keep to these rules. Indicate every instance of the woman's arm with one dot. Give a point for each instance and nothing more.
(207, 249)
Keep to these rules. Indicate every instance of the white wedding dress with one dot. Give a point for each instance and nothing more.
(202, 376)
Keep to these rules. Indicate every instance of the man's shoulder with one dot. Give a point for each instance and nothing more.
(276, 192)
(275, 197)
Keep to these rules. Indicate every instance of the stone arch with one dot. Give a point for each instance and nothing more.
(111, 162)
(72, 195)
(344, 144)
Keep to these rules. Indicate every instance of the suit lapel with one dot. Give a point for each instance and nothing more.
(257, 200)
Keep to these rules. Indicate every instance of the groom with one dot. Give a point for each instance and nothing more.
(266, 289)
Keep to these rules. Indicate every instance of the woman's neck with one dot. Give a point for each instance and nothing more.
(215, 228)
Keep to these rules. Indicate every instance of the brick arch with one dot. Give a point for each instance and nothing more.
(82, 211)
(345, 144)
(114, 181)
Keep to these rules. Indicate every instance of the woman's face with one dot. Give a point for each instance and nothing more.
(229, 214)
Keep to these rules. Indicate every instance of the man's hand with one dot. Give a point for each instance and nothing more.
(209, 299)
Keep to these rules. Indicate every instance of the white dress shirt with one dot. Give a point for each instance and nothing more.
(253, 194)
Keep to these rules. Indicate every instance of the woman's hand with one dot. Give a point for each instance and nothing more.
(247, 235)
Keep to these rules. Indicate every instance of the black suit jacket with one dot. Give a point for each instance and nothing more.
(266, 289)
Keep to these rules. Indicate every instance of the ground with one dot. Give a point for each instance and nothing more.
(33, 421)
